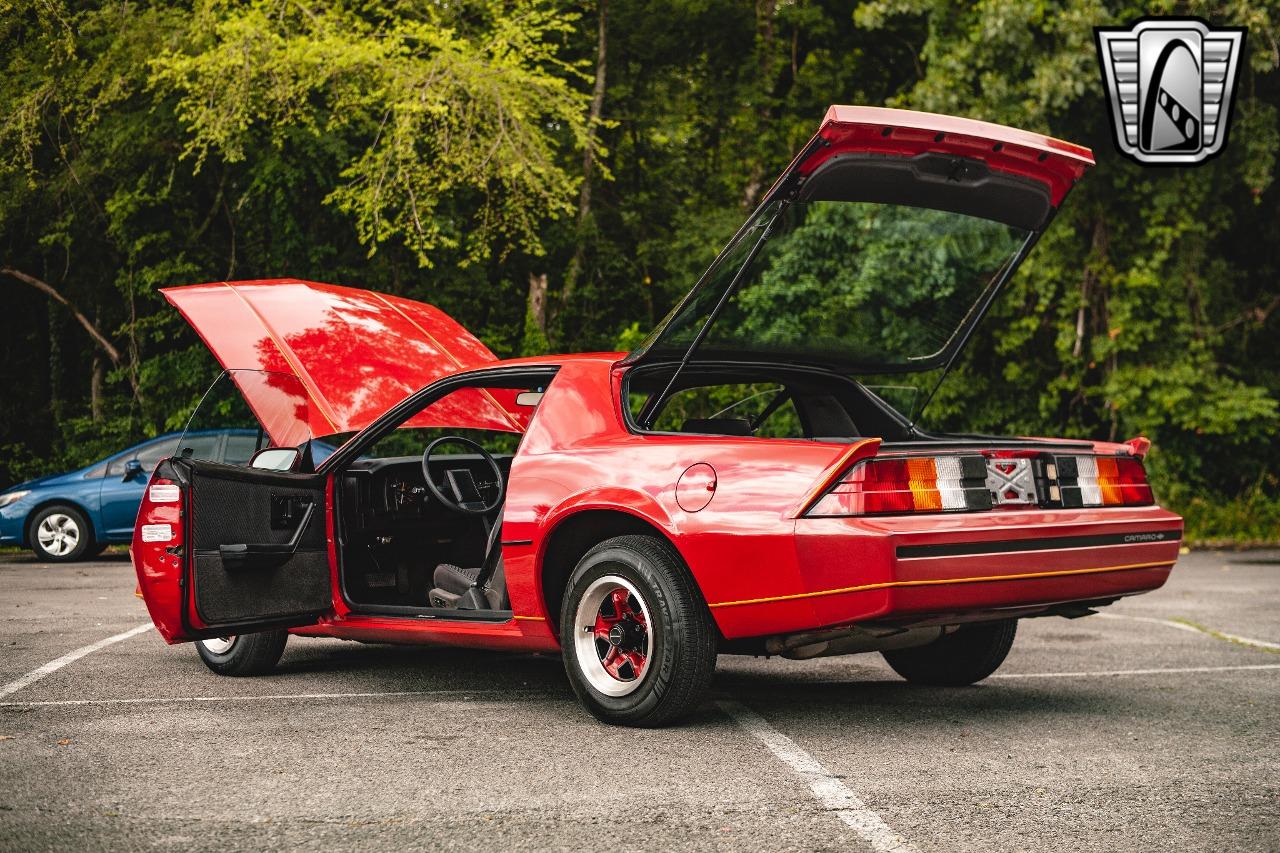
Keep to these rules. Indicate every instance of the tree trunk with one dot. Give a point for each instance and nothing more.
(534, 340)
(94, 332)
(766, 34)
(134, 357)
(95, 390)
(538, 300)
(1088, 282)
(48, 290)
(55, 367)
(574, 269)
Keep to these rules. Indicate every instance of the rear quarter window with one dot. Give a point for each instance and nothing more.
(757, 409)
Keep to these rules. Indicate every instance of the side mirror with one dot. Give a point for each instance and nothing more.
(276, 459)
(132, 469)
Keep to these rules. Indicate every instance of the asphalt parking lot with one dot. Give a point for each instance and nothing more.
(1147, 729)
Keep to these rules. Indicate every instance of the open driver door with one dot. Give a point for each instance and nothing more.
(223, 547)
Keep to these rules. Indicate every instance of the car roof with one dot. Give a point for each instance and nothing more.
(558, 360)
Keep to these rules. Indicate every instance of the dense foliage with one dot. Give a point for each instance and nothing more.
(556, 174)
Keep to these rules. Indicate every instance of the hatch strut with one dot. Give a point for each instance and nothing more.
(766, 230)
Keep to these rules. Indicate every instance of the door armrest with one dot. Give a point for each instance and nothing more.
(265, 555)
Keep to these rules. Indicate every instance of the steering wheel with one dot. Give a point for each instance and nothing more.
(460, 502)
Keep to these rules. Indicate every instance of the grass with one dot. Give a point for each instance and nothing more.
(1249, 520)
(1230, 638)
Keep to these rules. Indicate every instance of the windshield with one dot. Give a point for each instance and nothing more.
(847, 285)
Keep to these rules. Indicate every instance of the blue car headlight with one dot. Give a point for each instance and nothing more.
(13, 497)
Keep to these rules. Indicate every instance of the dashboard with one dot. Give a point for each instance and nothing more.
(393, 533)
(384, 492)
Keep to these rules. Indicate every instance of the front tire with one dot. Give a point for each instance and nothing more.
(243, 654)
(61, 534)
(638, 642)
(965, 656)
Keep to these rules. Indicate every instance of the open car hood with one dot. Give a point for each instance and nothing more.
(879, 249)
(354, 353)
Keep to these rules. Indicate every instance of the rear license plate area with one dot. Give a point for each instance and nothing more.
(1012, 482)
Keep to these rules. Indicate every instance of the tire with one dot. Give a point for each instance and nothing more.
(61, 534)
(966, 656)
(243, 654)
(638, 589)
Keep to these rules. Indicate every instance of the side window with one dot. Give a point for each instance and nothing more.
(201, 446)
(759, 409)
(494, 417)
(412, 442)
(147, 455)
(151, 455)
(116, 467)
(241, 446)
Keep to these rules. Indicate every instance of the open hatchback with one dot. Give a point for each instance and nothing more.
(750, 480)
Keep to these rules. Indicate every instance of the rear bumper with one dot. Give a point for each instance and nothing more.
(954, 568)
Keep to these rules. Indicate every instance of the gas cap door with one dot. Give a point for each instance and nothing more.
(696, 487)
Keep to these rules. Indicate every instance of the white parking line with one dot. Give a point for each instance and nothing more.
(1197, 629)
(827, 789)
(70, 657)
(163, 700)
(1118, 672)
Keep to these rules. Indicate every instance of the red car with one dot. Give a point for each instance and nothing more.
(739, 484)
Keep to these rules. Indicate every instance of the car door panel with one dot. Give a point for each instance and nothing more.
(232, 507)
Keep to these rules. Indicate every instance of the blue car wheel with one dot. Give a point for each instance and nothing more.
(61, 534)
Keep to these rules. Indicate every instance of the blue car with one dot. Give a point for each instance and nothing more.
(74, 516)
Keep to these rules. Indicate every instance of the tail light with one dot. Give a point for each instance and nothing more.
(1101, 481)
(908, 484)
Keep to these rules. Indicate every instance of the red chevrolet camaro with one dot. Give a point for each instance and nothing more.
(750, 480)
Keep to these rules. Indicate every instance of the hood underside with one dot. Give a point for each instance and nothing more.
(354, 353)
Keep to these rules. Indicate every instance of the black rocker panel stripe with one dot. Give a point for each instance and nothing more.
(959, 549)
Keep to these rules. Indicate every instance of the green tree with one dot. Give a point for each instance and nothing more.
(139, 149)
(146, 144)
(1149, 308)
(443, 110)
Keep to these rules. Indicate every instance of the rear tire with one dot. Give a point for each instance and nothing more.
(61, 534)
(660, 665)
(965, 656)
(243, 654)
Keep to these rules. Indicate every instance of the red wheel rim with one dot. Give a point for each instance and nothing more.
(614, 638)
(622, 657)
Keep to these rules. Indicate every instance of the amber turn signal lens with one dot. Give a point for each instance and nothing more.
(908, 484)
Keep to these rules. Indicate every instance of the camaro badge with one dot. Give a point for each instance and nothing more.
(1169, 84)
